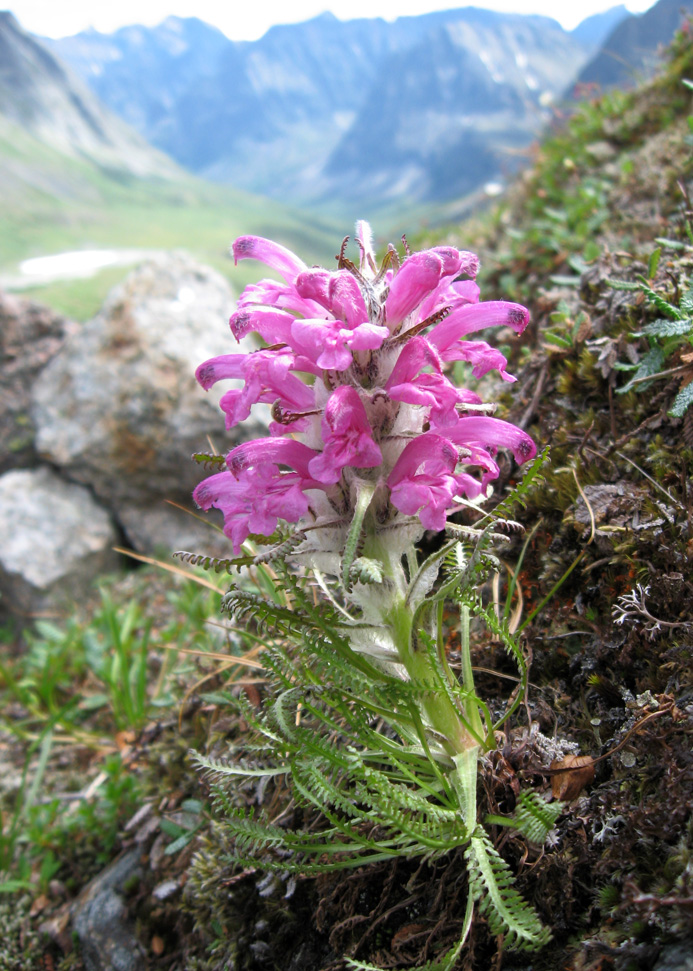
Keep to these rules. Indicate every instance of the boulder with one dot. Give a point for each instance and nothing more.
(30, 336)
(119, 410)
(56, 539)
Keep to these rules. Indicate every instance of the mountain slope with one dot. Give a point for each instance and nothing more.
(593, 31)
(162, 63)
(274, 116)
(73, 176)
(631, 51)
(446, 116)
(41, 95)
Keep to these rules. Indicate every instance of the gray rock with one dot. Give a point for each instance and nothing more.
(106, 937)
(675, 957)
(119, 408)
(30, 336)
(56, 538)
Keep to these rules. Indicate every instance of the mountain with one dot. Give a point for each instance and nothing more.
(75, 176)
(43, 97)
(593, 31)
(452, 112)
(632, 49)
(311, 111)
(163, 62)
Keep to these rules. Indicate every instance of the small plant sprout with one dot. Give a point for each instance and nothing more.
(371, 450)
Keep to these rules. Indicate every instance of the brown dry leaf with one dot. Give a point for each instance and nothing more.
(157, 945)
(405, 934)
(124, 739)
(575, 772)
(584, 330)
(39, 904)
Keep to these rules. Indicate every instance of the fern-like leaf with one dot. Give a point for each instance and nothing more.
(491, 885)
(534, 817)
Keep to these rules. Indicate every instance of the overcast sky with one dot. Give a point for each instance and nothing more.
(242, 20)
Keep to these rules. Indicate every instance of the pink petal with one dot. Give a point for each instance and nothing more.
(347, 436)
(278, 257)
(274, 326)
(417, 277)
(338, 293)
(481, 356)
(472, 317)
(457, 261)
(284, 451)
(486, 431)
(220, 368)
(416, 354)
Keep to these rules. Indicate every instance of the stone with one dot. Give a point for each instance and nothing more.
(30, 336)
(119, 408)
(106, 936)
(675, 957)
(56, 539)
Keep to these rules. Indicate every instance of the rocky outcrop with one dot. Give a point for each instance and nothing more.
(119, 409)
(97, 427)
(56, 539)
(30, 336)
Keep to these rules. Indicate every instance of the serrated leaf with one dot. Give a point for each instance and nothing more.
(658, 300)
(651, 363)
(622, 285)
(687, 300)
(682, 402)
(653, 263)
(668, 328)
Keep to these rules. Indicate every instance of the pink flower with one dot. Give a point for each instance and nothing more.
(253, 502)
(329, 344)
(423, 481)
(267, 378)
(348, 438)
(278, 257)
(355, 372)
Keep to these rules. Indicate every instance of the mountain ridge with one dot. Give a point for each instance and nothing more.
(298, 92)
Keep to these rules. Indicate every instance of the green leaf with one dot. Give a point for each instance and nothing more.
(653, 263)
(674, 244)
(651, 363)
(687, 301)
(557, 340)
(622, 285)
(658, 300)
(682, 402)
(668, 328)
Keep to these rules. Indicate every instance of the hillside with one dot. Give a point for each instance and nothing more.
(632, 51)
(38, 93)
(73, 176)
(597, 239)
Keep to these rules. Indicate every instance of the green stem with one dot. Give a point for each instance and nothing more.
(442, 714)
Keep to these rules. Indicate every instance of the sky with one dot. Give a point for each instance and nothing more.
(241, 20)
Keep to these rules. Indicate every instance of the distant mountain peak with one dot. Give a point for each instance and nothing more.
(40, 94)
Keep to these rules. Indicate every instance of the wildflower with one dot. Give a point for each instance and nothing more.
(355, 374)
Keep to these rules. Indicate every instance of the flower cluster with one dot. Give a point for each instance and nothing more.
(354, 370)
